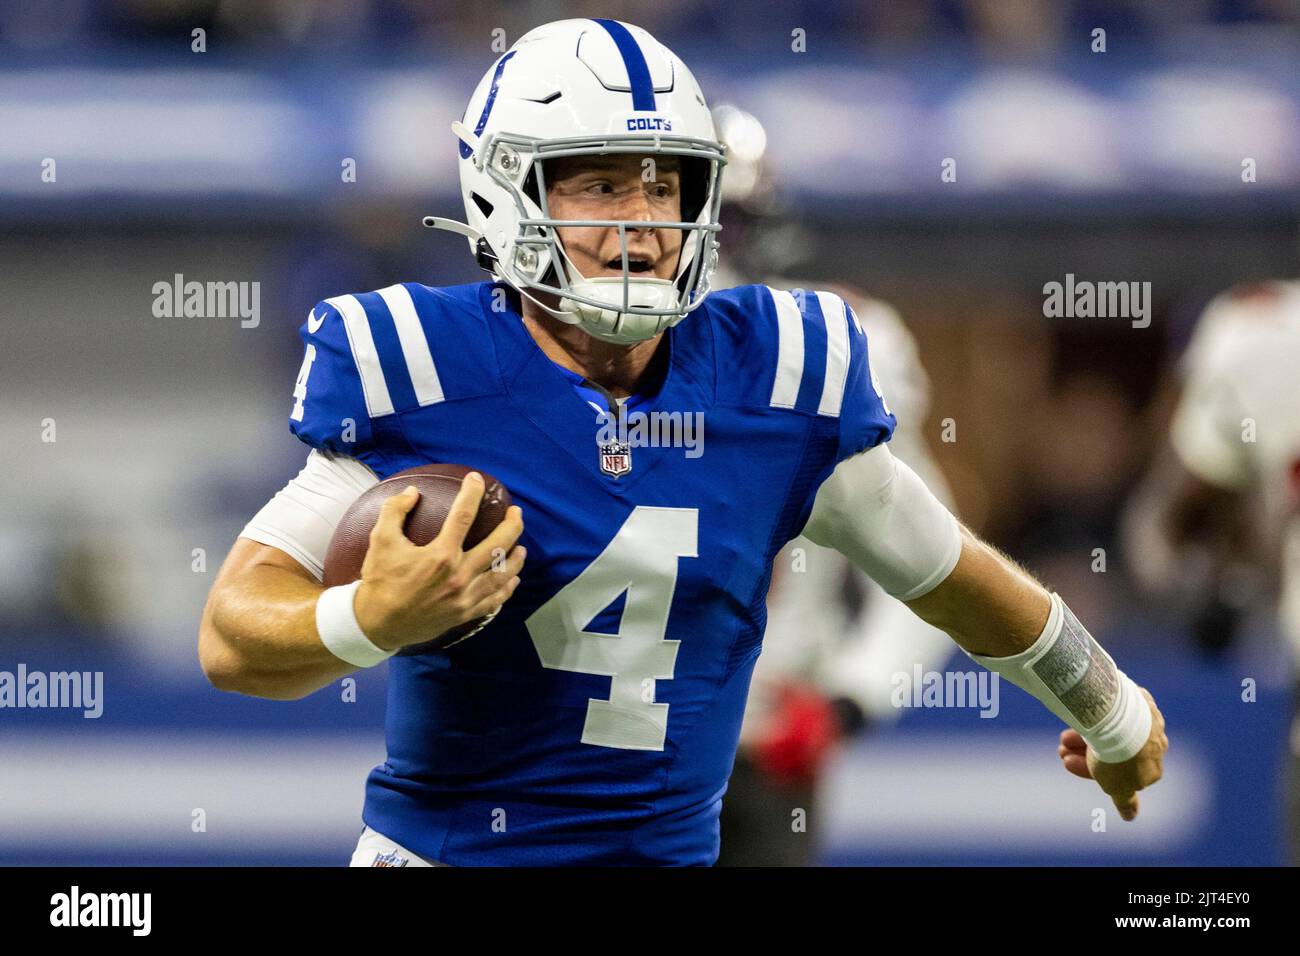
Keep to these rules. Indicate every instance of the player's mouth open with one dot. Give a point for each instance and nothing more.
(634, 264)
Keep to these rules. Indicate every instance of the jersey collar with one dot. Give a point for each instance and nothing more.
(544, 393)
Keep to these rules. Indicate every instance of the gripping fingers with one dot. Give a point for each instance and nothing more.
(498, 583)
(464, 509)
(494, 599)
(498, 542)
(514, 563)
(392, 515)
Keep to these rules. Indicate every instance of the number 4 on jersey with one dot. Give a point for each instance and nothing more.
(300, 386)
(641, 560)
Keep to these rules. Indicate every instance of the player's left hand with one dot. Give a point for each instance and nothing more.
(1120, 781)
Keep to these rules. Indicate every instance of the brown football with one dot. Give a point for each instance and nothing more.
(438, 486)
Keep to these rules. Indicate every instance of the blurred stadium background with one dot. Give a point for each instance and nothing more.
(226, 165)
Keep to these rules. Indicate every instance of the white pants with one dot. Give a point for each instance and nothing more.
(375, 849)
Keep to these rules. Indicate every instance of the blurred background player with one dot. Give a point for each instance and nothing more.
(1216, 525)
(834, 638)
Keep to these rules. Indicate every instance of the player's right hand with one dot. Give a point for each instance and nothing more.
(1120, 781)
(412, 593)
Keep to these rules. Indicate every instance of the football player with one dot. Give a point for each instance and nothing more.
(1235, 462)
(595, 719)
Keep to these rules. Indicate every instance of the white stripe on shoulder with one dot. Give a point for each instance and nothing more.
(857, 323)
(837, 353)
(356, 323)
(415, 347)
(789, 354)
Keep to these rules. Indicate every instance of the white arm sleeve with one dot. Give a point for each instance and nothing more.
(301, 518)
(875, 511)
(887, 639)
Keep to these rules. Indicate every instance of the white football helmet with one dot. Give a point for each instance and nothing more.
(575, 88)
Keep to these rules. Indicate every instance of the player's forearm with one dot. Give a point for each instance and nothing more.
(988, 605)
(259, 636)
(1007, 622)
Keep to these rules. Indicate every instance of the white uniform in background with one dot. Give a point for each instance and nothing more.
(811, 635)
(1237, 425)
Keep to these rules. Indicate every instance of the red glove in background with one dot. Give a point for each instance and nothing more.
(795, 739)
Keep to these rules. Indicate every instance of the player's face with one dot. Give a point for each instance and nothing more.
(626, 186)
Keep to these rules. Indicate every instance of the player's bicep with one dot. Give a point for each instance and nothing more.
(217, 654)
(300, 520)
(248, 553)
(875, 511)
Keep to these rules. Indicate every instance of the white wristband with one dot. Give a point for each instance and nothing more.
(1072, 674)
(336, 622)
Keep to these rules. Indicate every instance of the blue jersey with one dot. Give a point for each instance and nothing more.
(595, 720)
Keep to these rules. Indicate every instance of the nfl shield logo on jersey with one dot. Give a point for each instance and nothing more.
(615, 458)
(392, 858)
